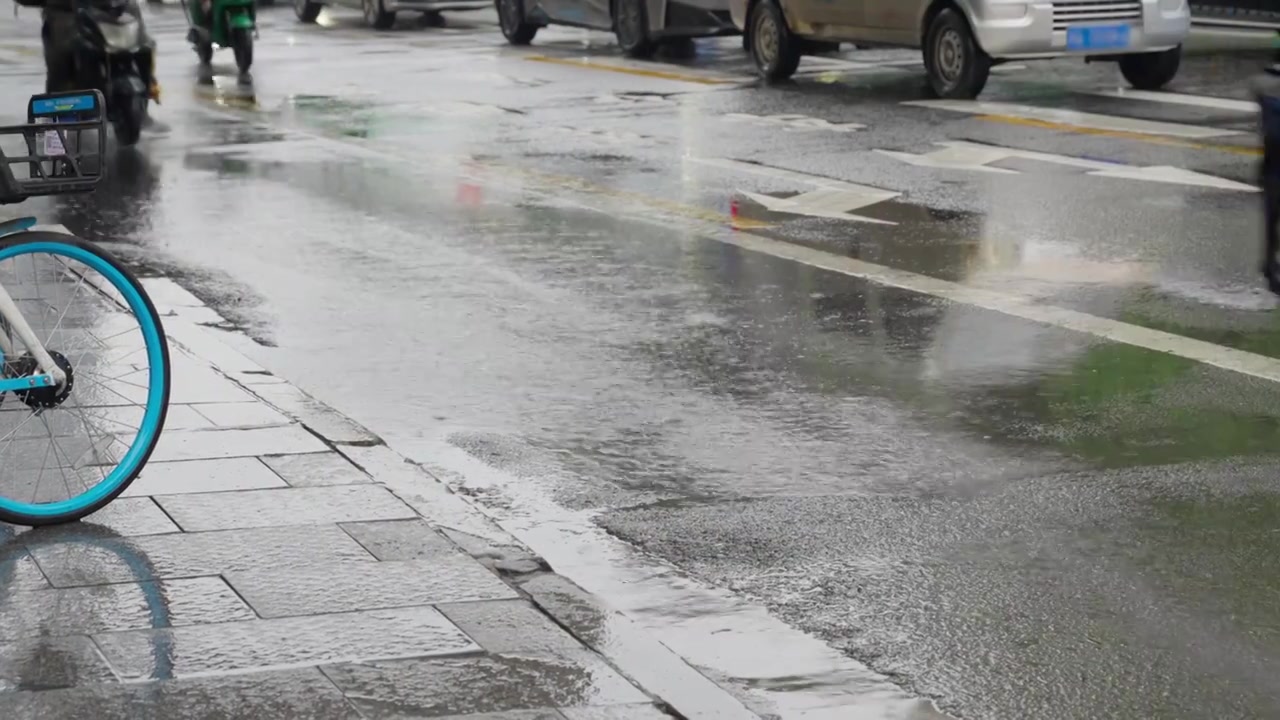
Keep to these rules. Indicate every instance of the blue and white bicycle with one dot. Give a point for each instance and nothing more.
(84, 382)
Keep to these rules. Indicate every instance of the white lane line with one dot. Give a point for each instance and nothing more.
(1239, 361)
(1062, 116)
(1026, 308)
(1171, 98)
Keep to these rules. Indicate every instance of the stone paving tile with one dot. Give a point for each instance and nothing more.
(490, 683)
(195, 382)
(201, 476)
(285, 506)
(240, 414)
(49, 662)
(18, 570)
(616, 712)
(285, 592)
(259, 696)
(96, 561)
(211, 444)
(164, 292)
(402, 540)
(331, 424)
(130, 516)
(510, 626)
(184, 417)
(283, 643)
(124, 606)
(328, 468)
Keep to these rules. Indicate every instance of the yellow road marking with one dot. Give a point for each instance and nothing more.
(659, 74)
(1124, 135)
(22, 50)
(204, 92)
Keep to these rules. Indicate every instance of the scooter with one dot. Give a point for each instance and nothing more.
(223, 23)
(116, 57)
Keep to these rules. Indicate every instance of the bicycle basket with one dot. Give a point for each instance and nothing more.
(60, 150)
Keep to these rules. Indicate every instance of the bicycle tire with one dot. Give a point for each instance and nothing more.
(157, 405)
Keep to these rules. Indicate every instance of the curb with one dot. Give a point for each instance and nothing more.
(677, 686)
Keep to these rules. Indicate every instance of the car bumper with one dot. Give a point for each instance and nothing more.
(1015, 29)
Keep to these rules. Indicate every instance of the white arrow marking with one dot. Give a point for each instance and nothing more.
(834, 199)
(833, 203)
(976, 157)
(796, 122)
(956, 158)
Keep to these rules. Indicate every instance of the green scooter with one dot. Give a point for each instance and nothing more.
(223, 23)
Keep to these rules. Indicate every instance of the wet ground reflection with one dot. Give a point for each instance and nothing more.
(40, 644)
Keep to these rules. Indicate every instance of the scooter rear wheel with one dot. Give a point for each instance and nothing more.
(128, 122)
(242, 45)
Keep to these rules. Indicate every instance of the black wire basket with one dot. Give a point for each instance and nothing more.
(60, 150)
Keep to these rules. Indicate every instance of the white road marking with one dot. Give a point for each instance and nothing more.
(833, 203)
(1072, 117)
(1172, 98)
(960, 155)
(1239, 361)
(792, 122)
(833, 198)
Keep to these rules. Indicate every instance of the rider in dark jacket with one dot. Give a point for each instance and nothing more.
(59, 33)
(1266, 90)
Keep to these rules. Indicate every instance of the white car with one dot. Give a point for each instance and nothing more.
(962, 39)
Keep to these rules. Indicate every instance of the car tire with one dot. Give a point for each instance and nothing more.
(306, 10)
(1151, 71)
(511, 19)
(774, 49)
(631, 27)
(377, 16)
(958, 67)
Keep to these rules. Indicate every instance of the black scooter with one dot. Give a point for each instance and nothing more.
(115, 56)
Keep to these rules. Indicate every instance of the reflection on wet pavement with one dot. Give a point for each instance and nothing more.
(1006, 515)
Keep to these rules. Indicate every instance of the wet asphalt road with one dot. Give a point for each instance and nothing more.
(518, 267)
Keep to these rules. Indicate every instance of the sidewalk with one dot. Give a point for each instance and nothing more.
(276, 560)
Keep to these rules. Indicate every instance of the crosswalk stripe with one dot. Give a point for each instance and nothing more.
(1074, 118)
(1171, 98)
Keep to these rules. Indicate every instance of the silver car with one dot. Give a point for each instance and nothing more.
(963, 39)
(381, 14)
(640, 25)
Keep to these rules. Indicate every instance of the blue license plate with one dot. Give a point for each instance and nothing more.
(1098, 37)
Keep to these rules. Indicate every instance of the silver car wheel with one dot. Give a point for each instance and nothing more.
(949, 55)
(766, 40)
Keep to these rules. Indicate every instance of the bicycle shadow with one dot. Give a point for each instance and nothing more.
(40, 655)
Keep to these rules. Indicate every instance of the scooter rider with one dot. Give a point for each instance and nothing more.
(59, 33)
(1266, 90)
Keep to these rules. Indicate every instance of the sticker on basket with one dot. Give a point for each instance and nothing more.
(52, 141)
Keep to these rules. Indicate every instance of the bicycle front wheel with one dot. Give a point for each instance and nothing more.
(67, 451)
